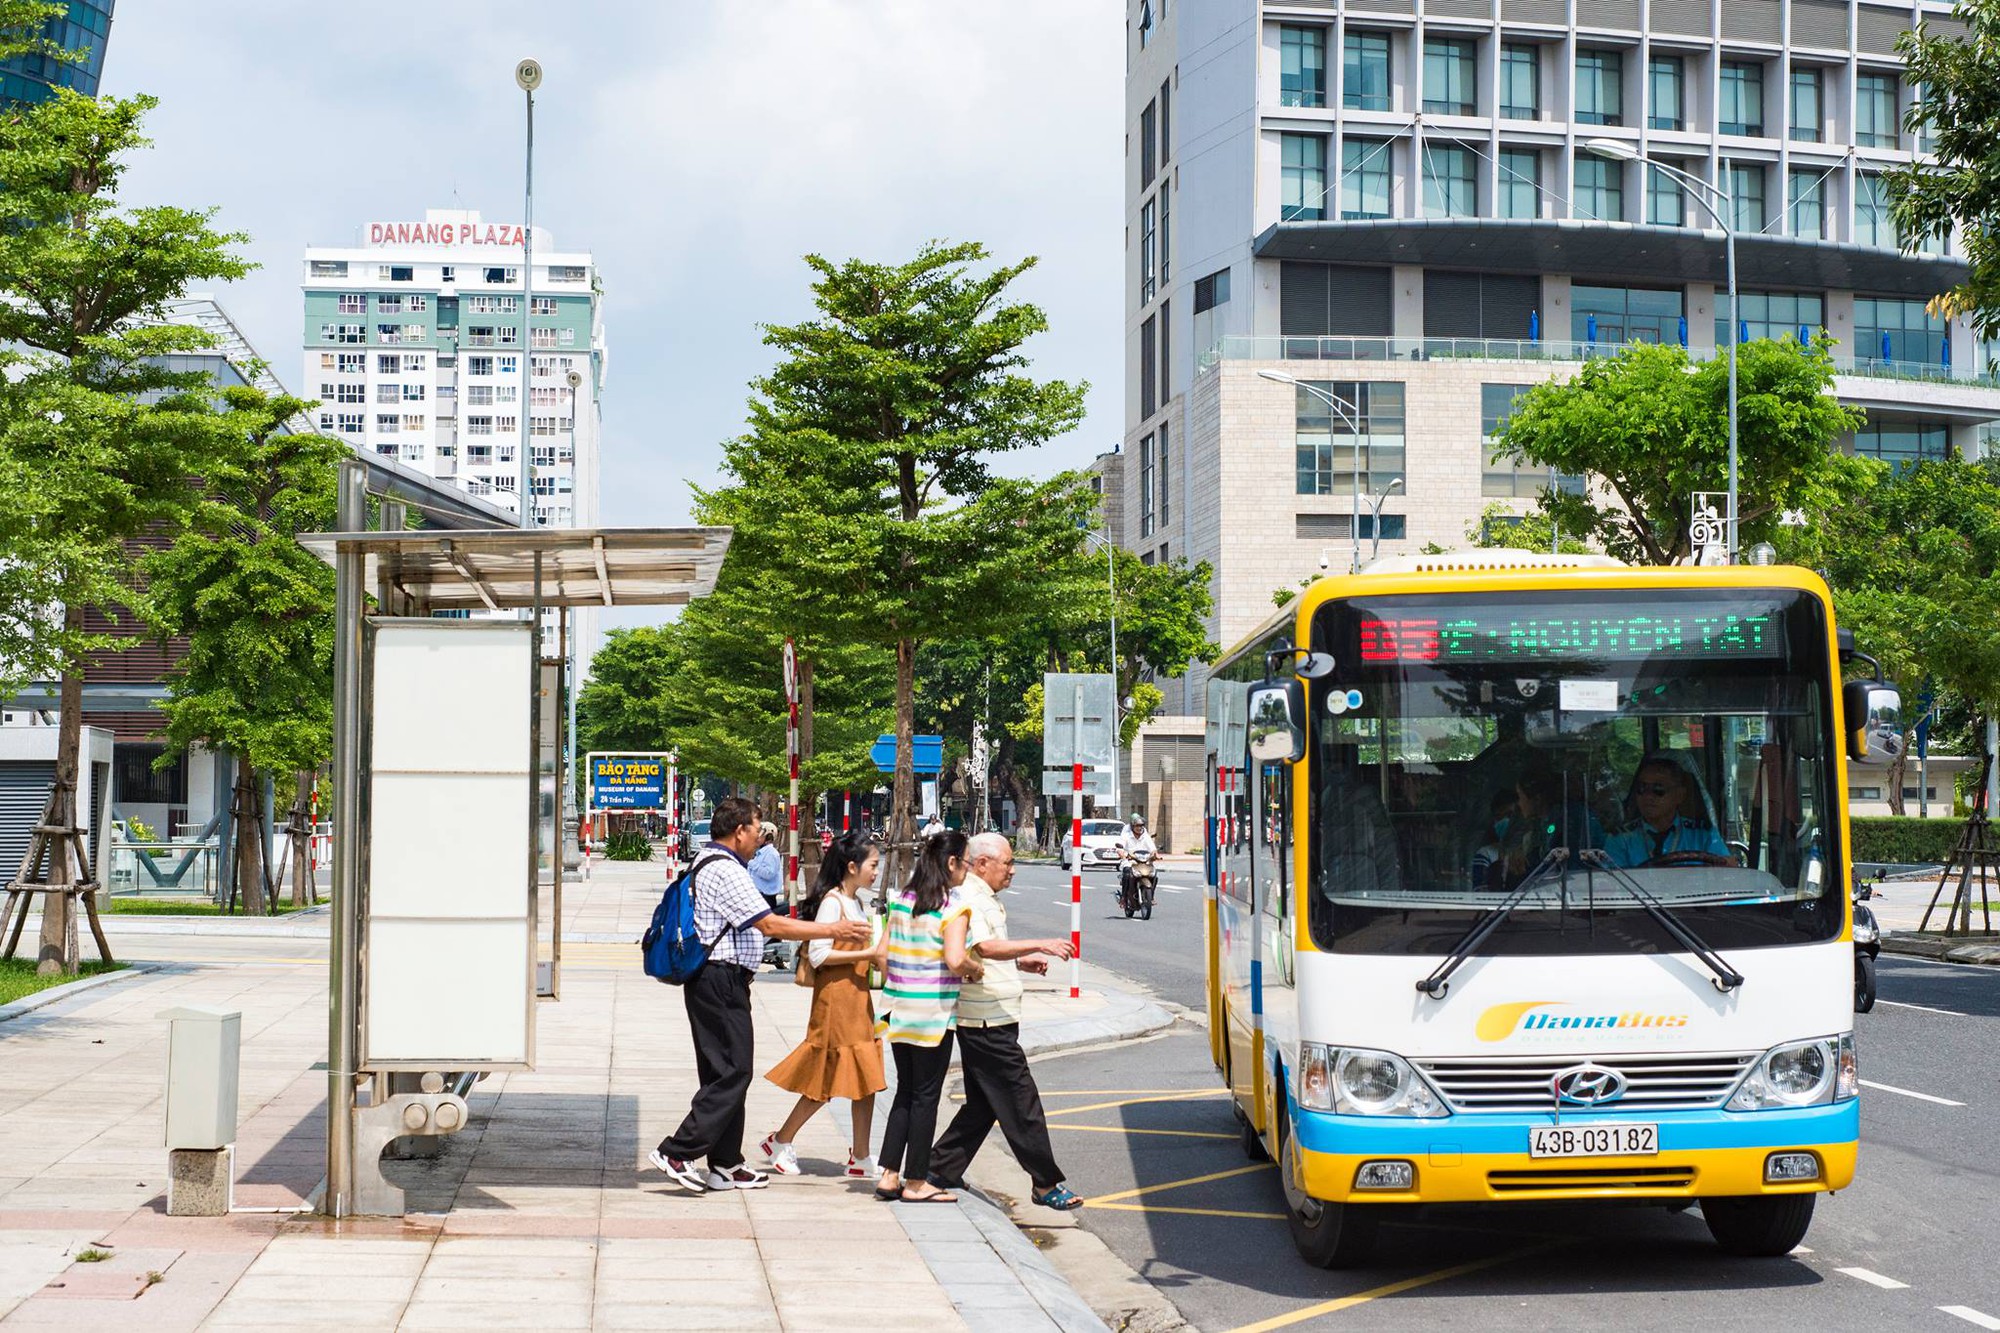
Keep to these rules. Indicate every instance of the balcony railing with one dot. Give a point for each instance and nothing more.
(1269, 347)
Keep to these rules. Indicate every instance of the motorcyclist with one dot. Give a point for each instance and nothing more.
(1135, 839)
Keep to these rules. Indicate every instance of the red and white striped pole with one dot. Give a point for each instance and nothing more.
(1076, 880)
(846, 811)
(792, 885)
(673, 810)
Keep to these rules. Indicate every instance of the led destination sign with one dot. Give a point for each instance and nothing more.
(1516, 634)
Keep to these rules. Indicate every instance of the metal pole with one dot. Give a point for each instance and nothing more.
(1555, 528)
(528, 320)
(1354, 522)
(1076, 852)
(1111, 580)
(792, 762)
(343, 967)
(1729, 244)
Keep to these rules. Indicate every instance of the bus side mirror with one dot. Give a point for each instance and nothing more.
(1871, 715)
(1277, 731)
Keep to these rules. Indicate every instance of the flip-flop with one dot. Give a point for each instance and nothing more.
(889, 1196)
(941, 1196)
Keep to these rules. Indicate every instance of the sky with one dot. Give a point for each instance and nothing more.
(698, 148)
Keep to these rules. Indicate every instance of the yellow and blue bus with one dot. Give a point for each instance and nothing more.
(1529, 881)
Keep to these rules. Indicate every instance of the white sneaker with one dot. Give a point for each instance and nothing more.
(737, 1178)
(862, 1168)
(685, 1174)
(770, 1144)
(784, 1160)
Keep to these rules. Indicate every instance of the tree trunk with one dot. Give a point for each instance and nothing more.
(1894, 777)
(249, 833)
(808, 800)
(902, 798)
(58, 950)
(304, 891)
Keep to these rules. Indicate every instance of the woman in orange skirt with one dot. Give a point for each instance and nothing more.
(840, 1056)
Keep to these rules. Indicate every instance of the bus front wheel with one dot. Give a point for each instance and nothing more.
(1327, 1235)
(1759, 1226)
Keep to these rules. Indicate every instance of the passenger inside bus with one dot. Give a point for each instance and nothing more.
(1673, 825)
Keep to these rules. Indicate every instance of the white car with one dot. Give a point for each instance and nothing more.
(1100, 844)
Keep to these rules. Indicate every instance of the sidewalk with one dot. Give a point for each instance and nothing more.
(1899, 906)
(540, 1214)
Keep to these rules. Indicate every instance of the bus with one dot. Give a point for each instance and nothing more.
(1528, 880)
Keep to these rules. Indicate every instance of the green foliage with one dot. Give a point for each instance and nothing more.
(1908, 841)
(18, 979)
(1502, 527)
(628, 845)
(1958, 107)
(623, 706)
(138, 830)
(1650, 428)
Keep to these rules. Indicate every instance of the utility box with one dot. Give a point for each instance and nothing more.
(202, 1053)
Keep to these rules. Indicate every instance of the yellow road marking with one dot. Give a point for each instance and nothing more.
(1389, 1289)
(1176, 1184)
(1138, 1101)
(1109, 1092)
(1120, 1129)
(1190, 1212)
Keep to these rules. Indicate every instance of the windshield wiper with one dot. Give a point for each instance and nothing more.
(1727, 978)
(1437, 983)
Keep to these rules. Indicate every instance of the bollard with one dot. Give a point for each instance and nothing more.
(202, 1060)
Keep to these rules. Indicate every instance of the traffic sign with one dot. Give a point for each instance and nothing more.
(1078, 714)
(927, 752)
(628, 781)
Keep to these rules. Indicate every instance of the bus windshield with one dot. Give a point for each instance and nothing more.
(1583, 750)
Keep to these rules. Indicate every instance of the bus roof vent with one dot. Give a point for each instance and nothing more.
(1486, 559)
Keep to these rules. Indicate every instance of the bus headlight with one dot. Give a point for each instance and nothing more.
(1800, 1073)
(1363, 1083)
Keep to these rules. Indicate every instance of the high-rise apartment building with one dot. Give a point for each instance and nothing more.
(418, 348)
(84, 30)
(1398, 202)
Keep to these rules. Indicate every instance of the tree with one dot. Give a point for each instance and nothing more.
(1958, 109)
(256, 610)
(1651, 428)
(106, 438)
(870, 450)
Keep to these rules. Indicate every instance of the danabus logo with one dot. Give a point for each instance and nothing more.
(1502, 1021)
(1588, 1085)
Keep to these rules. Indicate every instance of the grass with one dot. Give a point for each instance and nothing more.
(18, 979)
(174, 907)
(92, 1256)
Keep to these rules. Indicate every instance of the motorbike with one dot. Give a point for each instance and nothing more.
(1138, 881)
(1867, 946)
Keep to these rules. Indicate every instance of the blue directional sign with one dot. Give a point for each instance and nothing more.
(926, 751)
(628, 781)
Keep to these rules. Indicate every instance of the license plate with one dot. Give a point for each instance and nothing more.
(1621, 1140)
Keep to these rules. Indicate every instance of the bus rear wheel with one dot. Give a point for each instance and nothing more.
(1759, 1226)
(1326, 1235)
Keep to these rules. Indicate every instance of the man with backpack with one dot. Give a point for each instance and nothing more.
(732, 920)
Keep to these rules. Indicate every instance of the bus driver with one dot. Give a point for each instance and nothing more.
(1663, 835)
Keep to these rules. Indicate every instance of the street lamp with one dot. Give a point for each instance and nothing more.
(1375, 520)
(528, 74)
(1353, 424)
(1704, 191)
(1111, 583)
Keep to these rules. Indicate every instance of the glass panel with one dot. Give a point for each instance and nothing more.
(1872, 224)
(1450, 188)
(1302, 52)
(1746, 193)
(1742, 110)
(1600, 188)
(1600, 88)
(1616, 315)
(1449, 80)
(1304, 178)
(1903, 443)
(1875, 111)
(1364, 178)
(1364, 76)
(1520, 183)
(1520, 81)
(1666, 201)
(1771, 315)
(1897, 330)
(1806, 114)
(1363, 435)
(1807, 199)
(1665, 75)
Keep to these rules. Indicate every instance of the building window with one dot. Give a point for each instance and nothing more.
(1451, 190)
(416, 303)
(1364, 178)
(1147, 22)
(351, 393)
(1364, 71)
(479, 335)
(1666, 200)
(1211, 291)
(1808, 107)
(542, 337)
(389, 333)
(1302, 60)
(479, 365)
(482, 425)
(1617, 315)
(389, 305)
(1520, 81)
(1149, 384)
(1875, 111)
(388, 423)
(396, 273)
(1600, 88)
(1502, 476)
(351, 363)
(326, 421)
(1450, 77)
(506, 393)
(351, 303)
(491, 305)
(1166, 351)
(414, 362)
(351, 423)
(1146, 470)
(542, 305)
(1902, 443)
(1742, 109)
(1746, 195)
(1872, 223)
(353, 333)
(1893, 330)
(1520, 183)
(502, 275)
(1600, 188)
(1166, 236)
(565, 273)
(1148, 145)
(388, 393)
(1147, 272)
(1365, 436)
(1806, 200)
(541, 425)
(1304, 197)
(411, 423)
(329, 268)
(510, 335)
(1771, 315)
(479, 395)
(389, 363)
(1166, 477)
(1666, 76)
(413, 393)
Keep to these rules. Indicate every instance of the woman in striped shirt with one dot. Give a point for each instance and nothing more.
(927, 961)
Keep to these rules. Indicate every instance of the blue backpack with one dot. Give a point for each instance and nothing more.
(671, 949)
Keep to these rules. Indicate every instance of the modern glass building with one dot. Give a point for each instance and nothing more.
(1421, 208)
(85, 28)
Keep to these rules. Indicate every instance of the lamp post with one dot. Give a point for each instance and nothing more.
(528, 74)
(1111, 583)
(1354, 424)
(1375, 517)
(1704, 194)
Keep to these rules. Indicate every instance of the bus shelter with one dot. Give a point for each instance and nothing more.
(450, 718)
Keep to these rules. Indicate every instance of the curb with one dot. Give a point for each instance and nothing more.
(245, 927)
(1942, 948)
(28, 1004)
(1124, 1018)
(1049, 1288)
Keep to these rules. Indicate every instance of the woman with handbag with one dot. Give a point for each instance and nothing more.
(840, 1056)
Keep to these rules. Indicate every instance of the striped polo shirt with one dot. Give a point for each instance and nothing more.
(921, 993)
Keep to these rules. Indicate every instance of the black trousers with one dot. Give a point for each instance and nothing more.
(999, 1089)
(718, 1010)
(906, 1139)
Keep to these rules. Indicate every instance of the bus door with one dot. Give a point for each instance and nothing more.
(1274, 1011)
(1235, 916)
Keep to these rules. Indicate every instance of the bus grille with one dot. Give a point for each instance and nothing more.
(1551, 1180)
(1666, 1082)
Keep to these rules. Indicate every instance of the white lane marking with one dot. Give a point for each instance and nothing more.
(1905, 1092)
(1873, 1279)
(1800, 1249)
(1971, 1316)
(1901, 1004)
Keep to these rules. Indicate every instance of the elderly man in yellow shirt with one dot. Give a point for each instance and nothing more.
(999, 1086)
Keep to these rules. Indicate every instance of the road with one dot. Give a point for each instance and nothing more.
(1161, 956)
